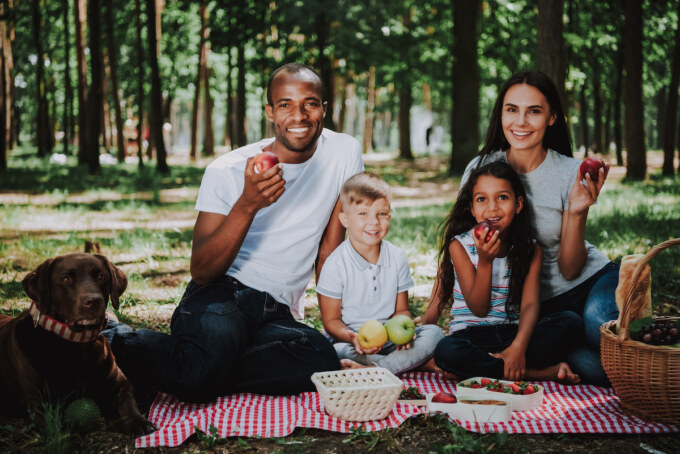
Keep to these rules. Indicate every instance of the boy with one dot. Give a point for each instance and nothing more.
(367, 278)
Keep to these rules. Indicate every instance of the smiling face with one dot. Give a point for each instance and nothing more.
(525, 116)
(494, 201)
(367, 222)
(297, 111)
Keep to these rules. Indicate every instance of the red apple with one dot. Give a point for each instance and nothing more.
(479, 230)
(265, 160)
(592, 167)
(444, 398)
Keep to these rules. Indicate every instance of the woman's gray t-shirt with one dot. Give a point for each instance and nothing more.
(548, 187)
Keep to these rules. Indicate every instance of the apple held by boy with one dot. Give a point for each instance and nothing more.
(265, 161)
(479, 230)
(592, 167)
(372, 334)
(400, 329)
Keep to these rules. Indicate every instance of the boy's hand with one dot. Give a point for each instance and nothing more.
(361, 350)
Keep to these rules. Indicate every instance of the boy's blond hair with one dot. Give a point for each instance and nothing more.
(364, 186)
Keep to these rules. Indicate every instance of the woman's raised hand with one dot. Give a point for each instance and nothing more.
(585, 191)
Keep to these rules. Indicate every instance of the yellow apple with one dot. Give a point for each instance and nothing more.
(372, 334)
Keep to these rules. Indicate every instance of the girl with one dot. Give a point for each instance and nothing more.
(494, 282)
(528, 130)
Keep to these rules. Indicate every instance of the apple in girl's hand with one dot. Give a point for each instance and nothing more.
(372, 334)
(265, 160)
(479, 230)
(592, 167)
(400, 329)
(444, 398)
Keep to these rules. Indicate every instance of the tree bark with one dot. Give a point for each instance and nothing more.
(68, 89)
(342, 92)
(229, 120)
(203, 14)
(583, 122)
(370, 105)
(405, 101)
(322, 33)
(42, 120)
(597, 109)
(241, 135)
(672, 108)
(618, 88)
(551, 53)
(4, 90)
(208, 132)
(140, 84)
(156, 125)
(465, 116)
(80, 11)
(113, 65)
(632, 63)
(96, 96)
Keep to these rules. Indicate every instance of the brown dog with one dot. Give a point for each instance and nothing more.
(57, 345)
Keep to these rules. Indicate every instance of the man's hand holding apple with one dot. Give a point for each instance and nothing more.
(264, 188)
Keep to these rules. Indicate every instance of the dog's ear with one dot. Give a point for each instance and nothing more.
(118, 280)
(37, 285)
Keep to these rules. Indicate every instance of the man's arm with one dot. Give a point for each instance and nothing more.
(218, 238)
(331, 239)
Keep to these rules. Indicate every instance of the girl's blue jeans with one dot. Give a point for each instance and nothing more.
(224, 338)
(465, 353)
(594, 300)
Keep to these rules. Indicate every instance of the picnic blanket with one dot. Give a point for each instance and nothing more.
(565, 409)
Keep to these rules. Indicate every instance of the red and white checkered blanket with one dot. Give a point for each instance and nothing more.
(565, 409)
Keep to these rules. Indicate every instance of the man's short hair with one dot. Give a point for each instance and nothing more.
(362, 187)
(293, 68)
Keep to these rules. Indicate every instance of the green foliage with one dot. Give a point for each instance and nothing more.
(464, 441)
(210, 440)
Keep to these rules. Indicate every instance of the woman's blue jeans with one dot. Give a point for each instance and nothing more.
(225, 338)
(465, 353)
(595, 301)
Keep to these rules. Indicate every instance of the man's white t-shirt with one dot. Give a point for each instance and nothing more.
(368, 291)
(279, 250)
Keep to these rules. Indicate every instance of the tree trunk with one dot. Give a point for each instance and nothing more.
(350, 114)
(5, 100)
(113, 67)
(405, 101)
(655, 133)
(106, 130)
(465, 115)
(632, 63)
(618, 133)
(208, 132)
(583, 122)
(672, 109)
(68, 89)
(203, 14)
(140, 84)
(241, 134)
(326, 69)
(229, 120)
(369, 118)
(551, 53)
(96, 95)
(80, 12)
(342, 92)
(607, 127)
(597, 109)
(156, 125)
(43, 124)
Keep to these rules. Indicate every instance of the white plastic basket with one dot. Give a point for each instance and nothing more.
(358, 394)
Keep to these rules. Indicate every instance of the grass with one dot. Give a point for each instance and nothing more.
(143, 222)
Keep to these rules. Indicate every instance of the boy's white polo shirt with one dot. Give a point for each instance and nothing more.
(368, 291)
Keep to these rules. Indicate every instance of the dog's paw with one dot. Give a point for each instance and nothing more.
(137, 425)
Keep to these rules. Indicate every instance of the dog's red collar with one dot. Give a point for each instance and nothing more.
(61, 329)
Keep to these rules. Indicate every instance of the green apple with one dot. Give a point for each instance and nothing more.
(372, 334)
(400, 329)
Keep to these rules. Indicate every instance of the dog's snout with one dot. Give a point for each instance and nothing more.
(92, 301)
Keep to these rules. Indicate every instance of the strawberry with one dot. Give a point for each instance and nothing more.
(486, 381)
(475, 385)
(528, 390)
(515, 388)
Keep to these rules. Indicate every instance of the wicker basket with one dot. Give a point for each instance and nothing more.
(645, 377)
(358, 394)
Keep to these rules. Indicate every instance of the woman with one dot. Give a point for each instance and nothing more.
(528, 130)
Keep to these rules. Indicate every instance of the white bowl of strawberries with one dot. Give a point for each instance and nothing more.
(521, 395)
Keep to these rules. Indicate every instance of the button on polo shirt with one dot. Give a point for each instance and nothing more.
(368, 291)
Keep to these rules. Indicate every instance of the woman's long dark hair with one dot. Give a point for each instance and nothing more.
(520, 235)
(556, 136)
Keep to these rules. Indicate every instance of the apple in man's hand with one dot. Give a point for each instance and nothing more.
(372, 334)
(265, 161)
(400, 329)
(479, 230)
(592, 167)
(444, 398)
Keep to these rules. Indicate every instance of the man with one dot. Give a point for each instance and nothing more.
(256, 241)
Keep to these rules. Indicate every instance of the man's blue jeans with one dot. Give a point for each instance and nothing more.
(465, 353)
(225, 338)
(595, 301)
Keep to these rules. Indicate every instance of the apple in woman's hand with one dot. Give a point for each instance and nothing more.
(444, 398)
(265, 160)
(592, 167)
(479, 230)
